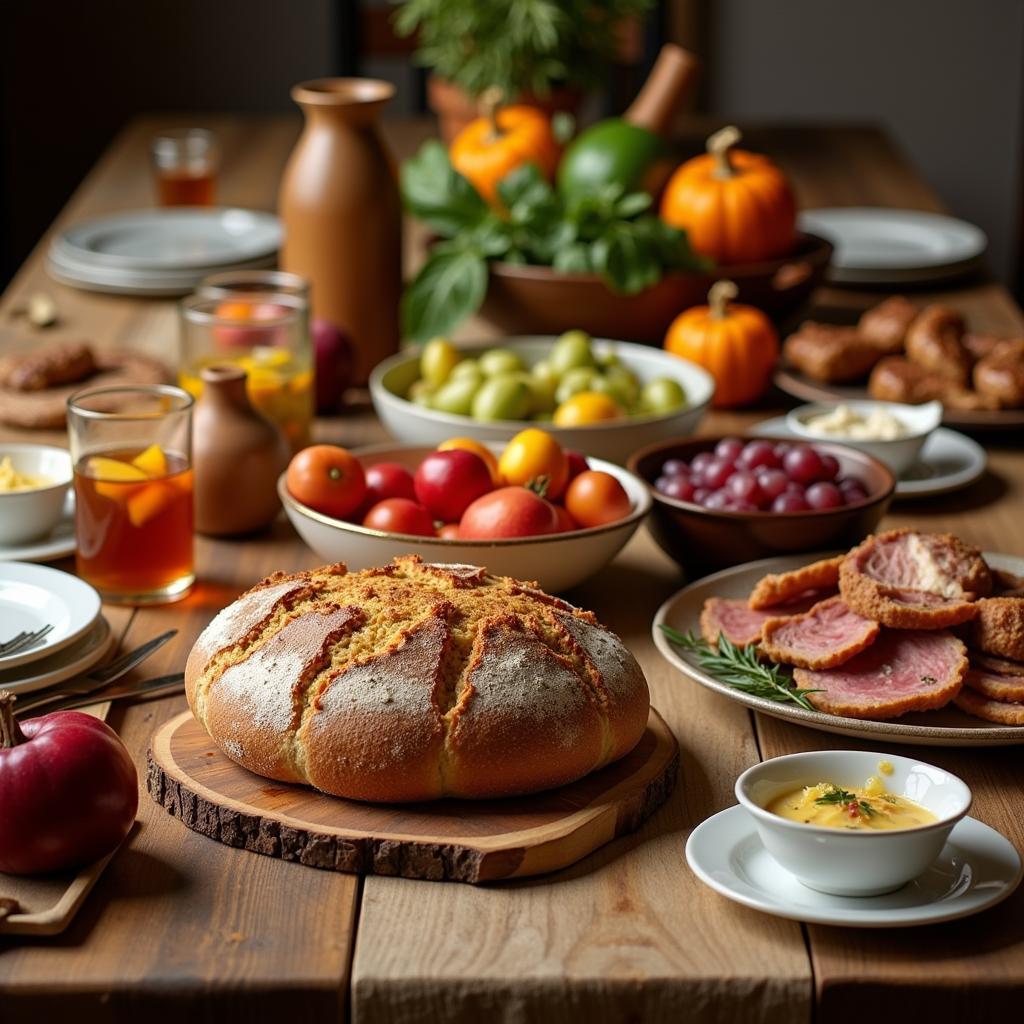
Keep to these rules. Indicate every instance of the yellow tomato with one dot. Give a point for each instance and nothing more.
(587, 407)
(533, 457)
(469, 444)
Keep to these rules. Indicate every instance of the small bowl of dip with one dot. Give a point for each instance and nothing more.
(34, 480)
(852, 822)
(890, 431)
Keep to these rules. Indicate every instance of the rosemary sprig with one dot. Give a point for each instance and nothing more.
(842, 796)
(740, 668)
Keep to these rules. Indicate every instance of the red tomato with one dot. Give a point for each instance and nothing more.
(577, 464)
(450, 531)
(388, 480)
(400, 515)
(68, 791)
(508, 512)
(448, 482)
(327, 479)
(566, 523)
(595, 498)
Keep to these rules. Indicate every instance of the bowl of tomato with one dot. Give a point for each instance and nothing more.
(495, 516)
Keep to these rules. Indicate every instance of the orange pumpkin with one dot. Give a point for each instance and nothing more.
(736, 206)
(491, 147)
(736, 344)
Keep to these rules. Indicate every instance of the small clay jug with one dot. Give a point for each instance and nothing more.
(237, 456)
(342, 214)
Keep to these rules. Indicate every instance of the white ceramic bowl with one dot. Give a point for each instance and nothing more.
(845, 862)
(899, 454)
(557, 562)
(28, 515)
(615, 441)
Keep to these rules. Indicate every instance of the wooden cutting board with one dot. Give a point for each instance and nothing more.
(445, 840)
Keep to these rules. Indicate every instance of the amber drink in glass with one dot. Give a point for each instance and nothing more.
(131, 449)
(185, 165)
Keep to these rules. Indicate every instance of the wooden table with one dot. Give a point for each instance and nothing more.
(181, 928)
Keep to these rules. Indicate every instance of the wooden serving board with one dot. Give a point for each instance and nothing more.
(445, 840)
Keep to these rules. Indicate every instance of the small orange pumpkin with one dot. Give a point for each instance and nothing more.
(736, 206)
(491, 147)
(736, 344)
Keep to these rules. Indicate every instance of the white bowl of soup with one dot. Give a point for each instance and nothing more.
(34, 482)
(853, 822)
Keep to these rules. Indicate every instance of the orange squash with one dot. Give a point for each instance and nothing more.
(736, 206)
(736, 344)
(491, 147)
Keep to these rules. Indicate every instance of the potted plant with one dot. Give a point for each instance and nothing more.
(543, 52)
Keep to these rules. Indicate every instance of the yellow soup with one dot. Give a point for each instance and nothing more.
(13, 480)
(832, 806)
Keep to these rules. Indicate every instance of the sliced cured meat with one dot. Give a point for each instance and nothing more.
(827, 635)
(996, 686)
(1003, 712)
(903, 670)
(740, 623)
(777, 588)
(999, 627)
(909, 580)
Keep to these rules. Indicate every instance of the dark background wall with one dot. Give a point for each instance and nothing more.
(945, 77)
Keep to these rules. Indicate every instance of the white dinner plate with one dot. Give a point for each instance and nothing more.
(977, 869)
(944, 727)
(75, 659)
(949, 460)
(876, 245)
(33, 596)
(173, 239)
(58, 543)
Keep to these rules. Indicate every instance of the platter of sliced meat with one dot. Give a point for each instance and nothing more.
(911, 637)
(900, 352)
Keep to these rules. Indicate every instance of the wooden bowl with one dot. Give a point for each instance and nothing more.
(703, 540)
(527, 299)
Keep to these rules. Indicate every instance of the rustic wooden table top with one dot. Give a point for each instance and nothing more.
(180, 927)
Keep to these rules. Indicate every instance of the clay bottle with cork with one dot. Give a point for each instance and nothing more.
(342, 214)
(237, 456)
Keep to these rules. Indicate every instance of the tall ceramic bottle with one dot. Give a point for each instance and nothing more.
(342, 214)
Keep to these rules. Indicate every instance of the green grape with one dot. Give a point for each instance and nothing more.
(456, 396)
(420, 393)
(467, 368)
(437, 361)
(571, 350)
(575, 380)
(505, 397)
(500, 360)
(663, 394)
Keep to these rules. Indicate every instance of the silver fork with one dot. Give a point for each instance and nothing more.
(24, 640)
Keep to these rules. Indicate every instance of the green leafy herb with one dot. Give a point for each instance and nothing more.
(740, 668)
(607, 231)
(842, 796)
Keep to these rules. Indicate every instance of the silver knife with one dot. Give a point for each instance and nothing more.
(161, 686)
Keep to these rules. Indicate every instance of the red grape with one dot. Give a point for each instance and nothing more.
(790, 501)
(772, 482)
(824, 494)
(756, 454)
(700, 495)
(729, 448)
(802, 464)
(699, 461)
(780, 450)
(717, 500)
(743, 487)
(675, 467)
(829, 466)
(716, 473)
(675, 487)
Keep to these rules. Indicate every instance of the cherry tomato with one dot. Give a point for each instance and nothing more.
(470, 444)
(533, 458)
(577, 464)
(595, 498)
(508, 512)
(566, 523)
(450, 531)
(448, 482)
(327, 479)
(388, 480)
(400, 515)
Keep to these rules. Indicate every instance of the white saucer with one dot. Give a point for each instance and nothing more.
(977, 869)
(75, 659)
(949, 461)
(58, 543)
(32, 596)
(876, 245)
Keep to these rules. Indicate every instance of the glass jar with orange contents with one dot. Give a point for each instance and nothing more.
(267, 334)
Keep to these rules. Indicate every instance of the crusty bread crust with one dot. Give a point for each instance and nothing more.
(999, 627)
(778, 588)
(413, 682)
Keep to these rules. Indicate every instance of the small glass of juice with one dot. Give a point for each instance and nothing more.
(132, 454)
(185, 163)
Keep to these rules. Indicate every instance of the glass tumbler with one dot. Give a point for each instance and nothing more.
(185, 164)
(132, 453)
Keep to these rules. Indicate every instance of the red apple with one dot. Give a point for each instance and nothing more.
(448, 482)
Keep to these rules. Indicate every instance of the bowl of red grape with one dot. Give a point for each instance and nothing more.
(722, 501)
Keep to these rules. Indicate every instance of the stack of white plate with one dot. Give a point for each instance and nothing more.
(164, 251)
(878, 246)
(34, 596)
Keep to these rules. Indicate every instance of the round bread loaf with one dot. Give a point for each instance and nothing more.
(414, 681)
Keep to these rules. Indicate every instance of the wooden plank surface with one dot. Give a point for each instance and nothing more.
(180, 925)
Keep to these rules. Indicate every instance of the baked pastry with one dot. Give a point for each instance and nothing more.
(414, 681)
(886, 324)
(831, 354)
(1000, 374)
(933, 342)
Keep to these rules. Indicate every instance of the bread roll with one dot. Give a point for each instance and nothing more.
(412, 682)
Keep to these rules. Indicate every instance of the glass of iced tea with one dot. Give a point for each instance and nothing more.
(185, 163)
(132, 453)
